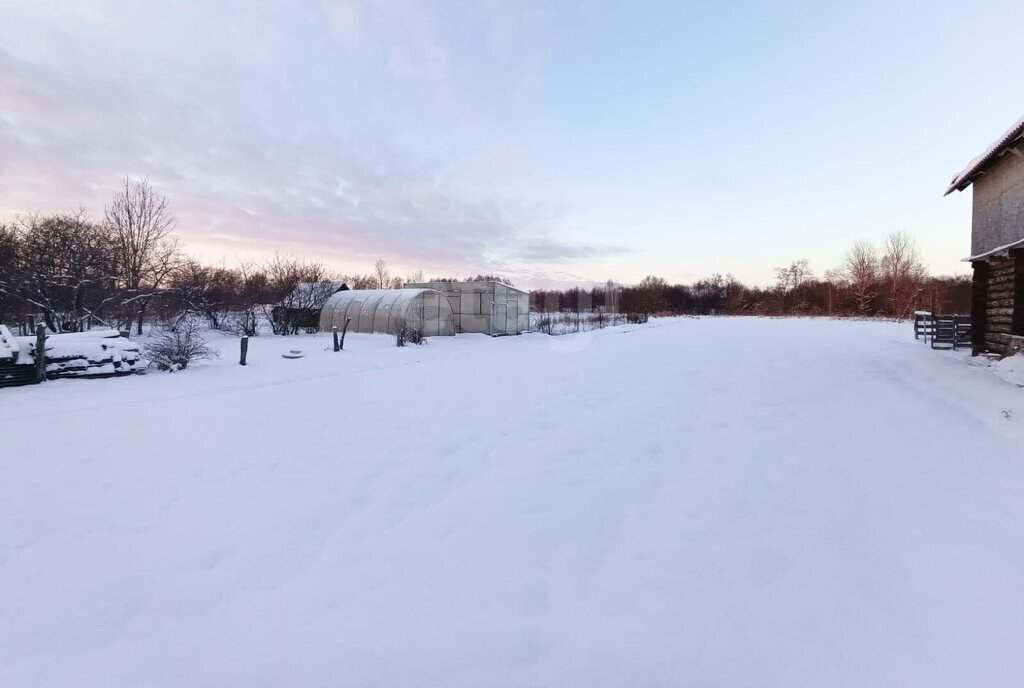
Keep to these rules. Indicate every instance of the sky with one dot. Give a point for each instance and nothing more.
(556, 143)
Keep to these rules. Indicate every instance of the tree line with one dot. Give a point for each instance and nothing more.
(72, 273)
(873, 281)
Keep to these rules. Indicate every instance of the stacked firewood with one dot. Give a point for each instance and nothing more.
(88, 354)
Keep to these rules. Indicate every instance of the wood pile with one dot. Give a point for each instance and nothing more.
(90, 354)
(102, 353)
(15, 368)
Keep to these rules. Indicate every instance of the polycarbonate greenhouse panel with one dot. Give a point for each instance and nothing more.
(381, 310)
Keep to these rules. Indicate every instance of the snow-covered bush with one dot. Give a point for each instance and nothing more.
(174, 348)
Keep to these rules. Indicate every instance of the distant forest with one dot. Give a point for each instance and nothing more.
(72, 273)
(886, 281)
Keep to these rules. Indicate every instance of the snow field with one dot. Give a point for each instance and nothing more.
(692, 502)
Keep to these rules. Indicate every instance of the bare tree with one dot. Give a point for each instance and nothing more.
(381, 273)
(253, 287)
(11, 305)
(146, 251)
(213, 292)
(296, 288)
(902, 271)
(612, 296)
(860, 268)
(65, 270)
(359, 281)
(651, 292)
(790, 279)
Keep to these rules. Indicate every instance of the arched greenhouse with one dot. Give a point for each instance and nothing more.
(382, 310)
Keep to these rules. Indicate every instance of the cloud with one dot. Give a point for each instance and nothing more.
(345, 19)
(239, 188)
(88, 10)
(406, 34)
(543, 250)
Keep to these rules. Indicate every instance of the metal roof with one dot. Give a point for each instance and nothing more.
(985, 160)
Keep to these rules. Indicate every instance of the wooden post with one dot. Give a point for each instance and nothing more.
(343, 331)
(40, 353)
(334, 331)
(245, 349)
(979, 302)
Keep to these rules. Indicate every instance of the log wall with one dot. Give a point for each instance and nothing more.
(1004, 304)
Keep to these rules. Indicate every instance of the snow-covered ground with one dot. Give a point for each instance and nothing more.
(692, 502)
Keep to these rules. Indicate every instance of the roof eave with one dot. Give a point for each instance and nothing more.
(997, 251)
(954, 187)
(993, 153)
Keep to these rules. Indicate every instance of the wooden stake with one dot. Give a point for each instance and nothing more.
(334, 331)
(40, 353)
(343, 331)
(245, 349)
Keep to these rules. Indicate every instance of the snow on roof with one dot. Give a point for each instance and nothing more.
(309, 292)
(982, 162)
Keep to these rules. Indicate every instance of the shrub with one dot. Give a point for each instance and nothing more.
(404, 333)
(174, 348)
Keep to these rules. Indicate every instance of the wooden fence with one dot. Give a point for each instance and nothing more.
(944, 331)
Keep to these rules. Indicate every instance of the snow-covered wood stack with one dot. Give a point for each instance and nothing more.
(13, 368)
(90, 354)
(8, 345)
(101, 353)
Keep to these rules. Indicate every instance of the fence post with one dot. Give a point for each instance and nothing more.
(343, 331)
(40, 353)
(334, 331)
(245, 349)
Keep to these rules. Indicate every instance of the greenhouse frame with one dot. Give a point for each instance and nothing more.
(383, 310)
(486, 307)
